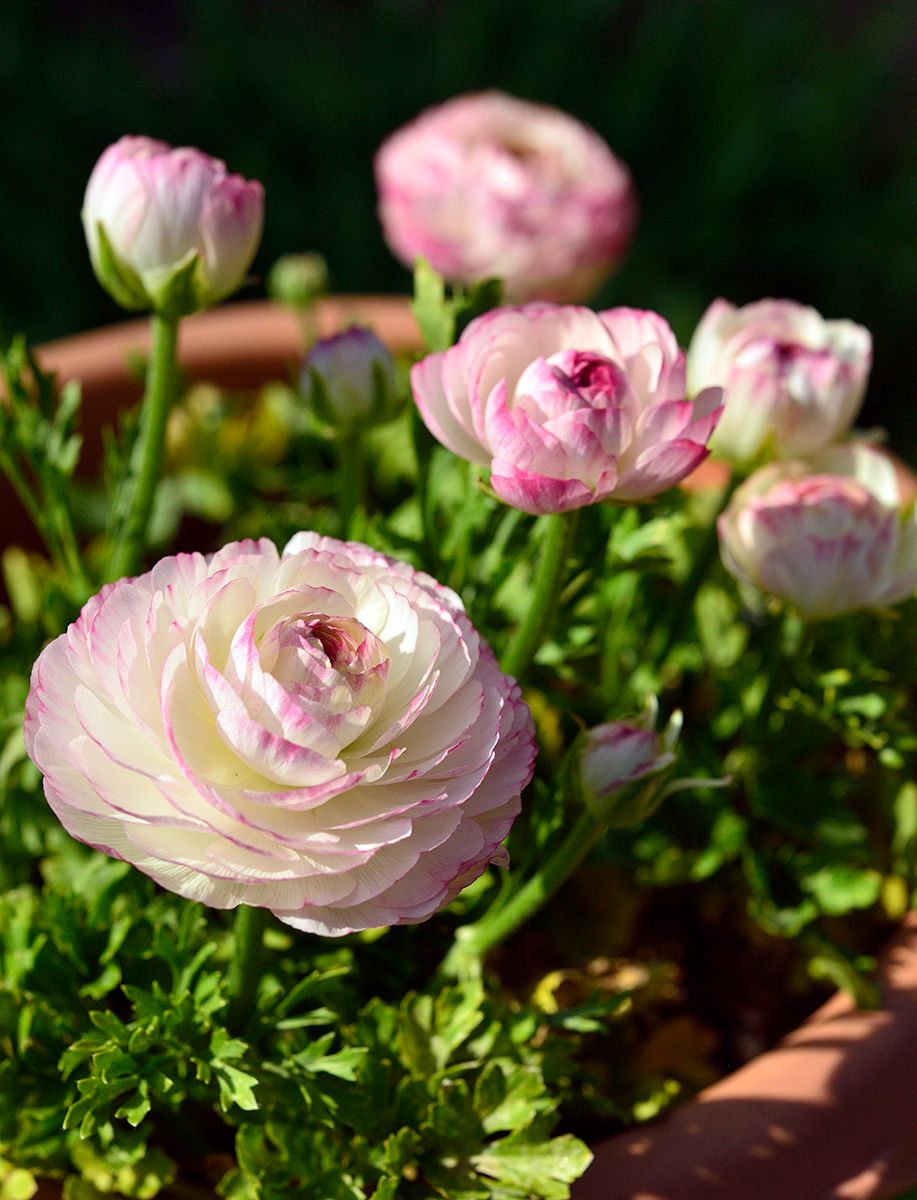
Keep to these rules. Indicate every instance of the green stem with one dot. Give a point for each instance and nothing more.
(139, 489)
(463, 529)
(351, 479)
(472, 942)
(700, 569)
(423, 452)
(245, 965)
(36, 514)
(71, 551)
(527, 639)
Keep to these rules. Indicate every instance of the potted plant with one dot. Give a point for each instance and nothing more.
(320, 739)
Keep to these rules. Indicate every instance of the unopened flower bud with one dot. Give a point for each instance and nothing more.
(349, 380)
(169, 229)
(794, 382)
(621, 766)
(297, 280)
(829, 535)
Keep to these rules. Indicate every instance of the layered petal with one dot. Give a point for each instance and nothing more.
(828, 536)
(321, 733)
(794, 382)
(487, 185)
(169, 229)
(567, 406)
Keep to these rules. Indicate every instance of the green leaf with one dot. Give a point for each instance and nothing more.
(522, 1096)
(839, 888)
(542, 1169)
(345, 1064)
(133, 1111)
(116, 277)
(433, 310)
(848, 976)
(386, 1189)
(399, 1150)
(236, 1087)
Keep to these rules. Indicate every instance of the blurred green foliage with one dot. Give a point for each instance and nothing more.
(773, 143)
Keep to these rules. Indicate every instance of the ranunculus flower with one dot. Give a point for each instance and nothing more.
(487, 185)
(349, 380)
(168, 229)
(567, 406)
(794, 382)
(321, 733)
(622, 765)
(828, 536)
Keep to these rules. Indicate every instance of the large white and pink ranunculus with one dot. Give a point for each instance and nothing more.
(487, 185)
(829, 536)
(794, 382)
(169, 229)
(567, 406)
(320, 732)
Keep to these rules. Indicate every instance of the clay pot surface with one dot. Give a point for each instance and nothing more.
(831, 1113)
(238, 346)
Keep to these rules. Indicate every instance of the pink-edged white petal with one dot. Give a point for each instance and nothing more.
(321, 733)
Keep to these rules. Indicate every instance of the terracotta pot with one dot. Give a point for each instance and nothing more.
(238, 346)
(831, 1113)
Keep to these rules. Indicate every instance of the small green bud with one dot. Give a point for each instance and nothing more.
(297, 280)
(350, 380)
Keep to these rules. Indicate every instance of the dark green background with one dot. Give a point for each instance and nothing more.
(773, 144)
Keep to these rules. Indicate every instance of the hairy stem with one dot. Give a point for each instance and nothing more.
(351, 479)
(245, 965)
(136, 500)
(546, 588)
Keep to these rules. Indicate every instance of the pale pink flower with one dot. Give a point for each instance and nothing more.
(487, 185)
(567, 406)
(321, 733)
(169, 229)
(623, 769)
(622, 765)
(828, 536)
(794, 382)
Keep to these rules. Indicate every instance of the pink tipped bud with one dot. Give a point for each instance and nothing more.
(828, 537)
(621, 766)
(794, 382)
(169, 229)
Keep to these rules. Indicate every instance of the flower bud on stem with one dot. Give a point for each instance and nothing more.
(135, 500)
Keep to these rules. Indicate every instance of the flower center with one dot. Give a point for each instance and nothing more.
(314, 651)
(570, 380)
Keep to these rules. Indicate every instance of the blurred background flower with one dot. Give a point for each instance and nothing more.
(772, 145)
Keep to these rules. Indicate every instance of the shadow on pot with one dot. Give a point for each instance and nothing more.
(831, 1114)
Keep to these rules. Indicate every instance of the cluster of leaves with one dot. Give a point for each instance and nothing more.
(118, 1071)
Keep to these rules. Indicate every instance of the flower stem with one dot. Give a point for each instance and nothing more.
(472, 942)
(136, 500)
(527, 639)
(351, 479)
(700, 569)
(245, 964)
(423, 451)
